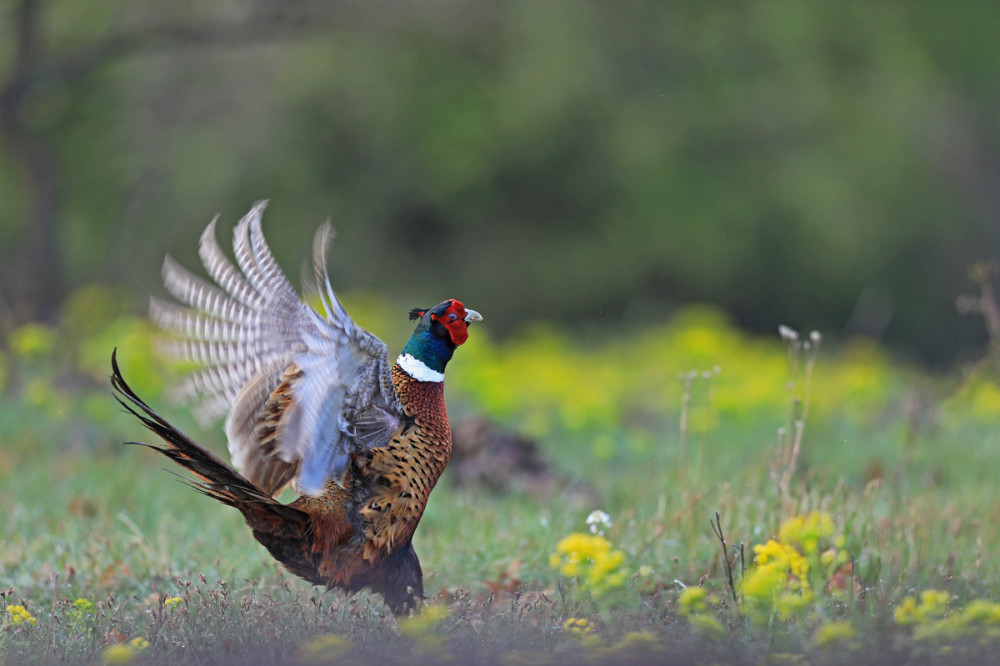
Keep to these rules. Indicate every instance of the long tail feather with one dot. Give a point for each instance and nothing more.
(217, 479)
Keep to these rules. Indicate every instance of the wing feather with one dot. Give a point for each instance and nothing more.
(222, 270)
(302, 390)
(195, 292)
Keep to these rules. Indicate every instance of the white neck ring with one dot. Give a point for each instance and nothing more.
(417, 369)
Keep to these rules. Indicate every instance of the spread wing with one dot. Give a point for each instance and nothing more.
(303, 390)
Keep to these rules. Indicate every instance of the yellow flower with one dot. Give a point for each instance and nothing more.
(419, 624)
(762, 583)
(324, 649)
(807, 531)
(935, 601)
(583, 545)
(779, 567)
(780, 580)
(119, 653)
(790, 604)
(692, 600)
(123, 653)
(982, 612)
(932, 606)
(578, 626)
(785, 557)
(19, 615)
(604, 568)
(171, 602)
(84, 605)
(906, 612)
(833, 633)
(592, 558)
(930, 623)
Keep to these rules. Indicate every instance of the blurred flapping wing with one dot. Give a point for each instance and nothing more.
(303, 390)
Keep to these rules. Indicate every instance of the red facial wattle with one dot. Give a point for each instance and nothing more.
(453, 319)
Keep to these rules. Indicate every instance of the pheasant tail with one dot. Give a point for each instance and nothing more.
(284, 530)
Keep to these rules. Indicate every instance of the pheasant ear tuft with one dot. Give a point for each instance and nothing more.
(417, 313)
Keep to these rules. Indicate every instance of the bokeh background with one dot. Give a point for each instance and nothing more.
(825, 165)
(634, 194)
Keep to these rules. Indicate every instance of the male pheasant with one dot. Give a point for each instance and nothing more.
(312, 401)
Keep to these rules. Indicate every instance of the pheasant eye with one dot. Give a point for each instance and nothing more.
(452, 317)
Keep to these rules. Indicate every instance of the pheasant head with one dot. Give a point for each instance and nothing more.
(439, 331)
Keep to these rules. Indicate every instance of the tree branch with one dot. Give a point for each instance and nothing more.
(272, 27)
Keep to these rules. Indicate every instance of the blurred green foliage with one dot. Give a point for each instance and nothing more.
(608, 396)
(544, 380)
(55, 377)
(821, 164)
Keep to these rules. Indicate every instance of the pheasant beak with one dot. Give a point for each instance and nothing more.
(471, 316)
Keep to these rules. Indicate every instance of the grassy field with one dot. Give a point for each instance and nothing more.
(857, 498)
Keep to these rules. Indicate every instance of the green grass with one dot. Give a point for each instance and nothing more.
(86, 518)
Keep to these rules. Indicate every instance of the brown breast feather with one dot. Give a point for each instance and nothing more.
(404, 472)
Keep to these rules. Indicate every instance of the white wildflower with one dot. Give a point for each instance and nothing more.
(598, 521)
(788, 334)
